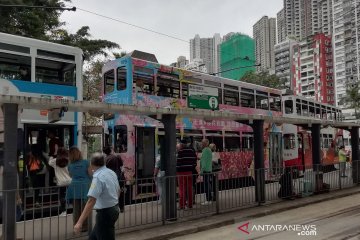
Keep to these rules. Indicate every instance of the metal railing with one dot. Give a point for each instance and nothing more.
(42, 213)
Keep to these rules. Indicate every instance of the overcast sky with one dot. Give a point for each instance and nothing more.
(179, 18)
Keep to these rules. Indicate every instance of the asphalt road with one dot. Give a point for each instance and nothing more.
(334, 219)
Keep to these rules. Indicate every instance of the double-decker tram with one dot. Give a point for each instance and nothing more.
(297, 140)
(139, 82)
(35, 68)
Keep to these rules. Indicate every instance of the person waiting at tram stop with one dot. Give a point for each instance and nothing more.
(80, 180)
(103, 196)
(206, 170)
(343, 157)
(185, 163)
(216, 167)
(114, 162)
(286, 185)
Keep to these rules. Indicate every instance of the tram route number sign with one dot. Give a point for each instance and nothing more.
(203, 97)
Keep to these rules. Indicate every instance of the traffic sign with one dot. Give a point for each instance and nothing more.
(203, 97)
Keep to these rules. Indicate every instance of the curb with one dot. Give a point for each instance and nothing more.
(233, 220)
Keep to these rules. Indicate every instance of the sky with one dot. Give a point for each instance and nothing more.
(179, 18)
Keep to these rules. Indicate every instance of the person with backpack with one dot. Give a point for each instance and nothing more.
(62, 175)
(115, 163)
(35, 163)
(79, 186)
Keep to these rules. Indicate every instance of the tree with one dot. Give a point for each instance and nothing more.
(263, 79)
(352, 98)
(45, 24)
(27, 22)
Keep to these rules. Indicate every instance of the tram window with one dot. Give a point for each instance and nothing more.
(184, 90)
(262, 101)
(220, 96)
(298, 108)
(317, 111)
(121, 139)
(232, 141)
(15, 67)
(247, 142)
(109, 79)
(108, 137)
(289, 107)
(231, 98)
(289, 141)
(121, 78)
(168, 89)
(55, 72)
(218, 141)
(312, 111)
(247, 98)
(304, 109)
(275, 102)
(143, 83)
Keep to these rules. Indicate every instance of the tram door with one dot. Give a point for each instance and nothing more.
(145, 152)
(36, 137)
(275, 154)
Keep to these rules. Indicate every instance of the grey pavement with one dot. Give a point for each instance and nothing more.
(173, 230)
(336, 219)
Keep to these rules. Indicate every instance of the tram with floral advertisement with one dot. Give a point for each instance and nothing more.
(139, 82)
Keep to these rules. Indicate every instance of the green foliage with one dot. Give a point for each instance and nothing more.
(81, 39)
(352, 98)
(34, 23)
(263, 79)
(45, 24)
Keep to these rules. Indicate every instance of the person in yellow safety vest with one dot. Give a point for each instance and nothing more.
(342, 161)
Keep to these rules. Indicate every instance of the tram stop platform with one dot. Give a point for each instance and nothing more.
(176, 229)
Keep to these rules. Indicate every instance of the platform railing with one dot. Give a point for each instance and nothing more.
(47, 213)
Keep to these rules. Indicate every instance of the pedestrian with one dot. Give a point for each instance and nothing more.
(62, 175)
(79, 186)
(286, 185)
(342, 161)
(185, 163)
(158, 177)
(103, 196)
(35, 163)
(115, 163)
(206, 169)
(216, 167)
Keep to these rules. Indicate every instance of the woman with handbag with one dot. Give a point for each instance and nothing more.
(62, 175)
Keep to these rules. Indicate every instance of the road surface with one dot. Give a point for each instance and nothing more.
(332, 220)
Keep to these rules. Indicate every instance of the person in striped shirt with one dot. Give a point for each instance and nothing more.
(186, 162)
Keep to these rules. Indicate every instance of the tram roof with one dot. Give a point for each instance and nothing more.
(99, 107)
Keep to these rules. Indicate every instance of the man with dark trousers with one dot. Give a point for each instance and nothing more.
(186, 160)
(103, 196)
(114, 162)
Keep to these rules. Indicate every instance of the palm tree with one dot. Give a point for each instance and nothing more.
(352, 98)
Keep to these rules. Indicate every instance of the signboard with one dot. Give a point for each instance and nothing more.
(203, 97)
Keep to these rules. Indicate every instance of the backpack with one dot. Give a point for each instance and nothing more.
(35, 165)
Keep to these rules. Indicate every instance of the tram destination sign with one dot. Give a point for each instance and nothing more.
(203, 97)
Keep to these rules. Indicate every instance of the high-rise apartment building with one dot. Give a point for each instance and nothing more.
(312, 69)
(346, 35)
(264, 33)
(283, 54)
(281, 26)
(207, 50)
(305, 18)
(181, 62)
(237, 55)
